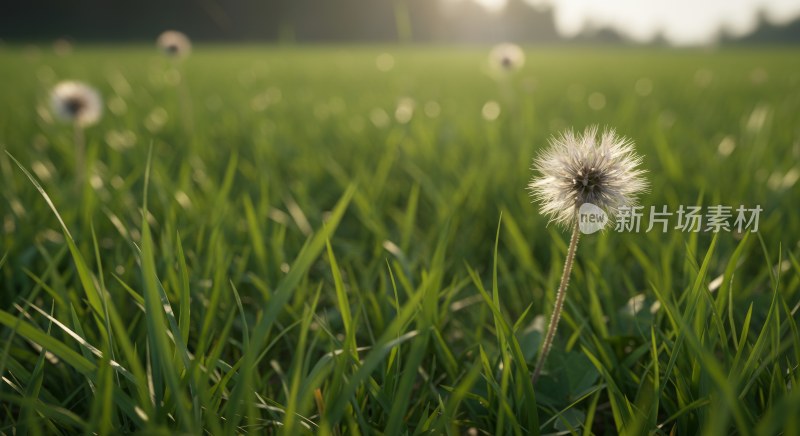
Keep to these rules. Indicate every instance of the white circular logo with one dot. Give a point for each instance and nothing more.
(591, 218)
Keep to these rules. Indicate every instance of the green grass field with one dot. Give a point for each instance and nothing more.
(334, 249)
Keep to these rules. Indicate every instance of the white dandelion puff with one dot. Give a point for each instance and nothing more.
(586, 168)
(177, 46)
(507, 57)
(76, 103)
(174, 44)
(80, 105)
(602, 170)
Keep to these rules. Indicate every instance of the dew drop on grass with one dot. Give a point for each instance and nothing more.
(790, 178)
(156, 119)
(96, 182)
(726, 146)
(120, 139)
(655, 307)
(42, 171)
(259, 103)
(9, 226)
(117, 182)
(45, 114)
(384, 62)
(635, 304)
(758, 118)
(379, 117)
(775, 181)
(716, 283)
(490, 110)
(597, 101)
(404, 110)
(17, 207)
(117, 105)
(391, 247)
(119, 84)
(183, 199)
(51, 235)
(432, 109)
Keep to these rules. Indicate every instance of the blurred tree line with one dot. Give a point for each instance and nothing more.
(766, 33)
(276, 20)
(309, 21)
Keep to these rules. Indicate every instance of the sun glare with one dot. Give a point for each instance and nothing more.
(492, 5)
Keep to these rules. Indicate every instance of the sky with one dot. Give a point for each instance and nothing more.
(682, 22)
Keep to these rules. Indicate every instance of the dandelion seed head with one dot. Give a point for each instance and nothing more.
(507, 57)
(580, 168)
(174, 44)
(76, 102)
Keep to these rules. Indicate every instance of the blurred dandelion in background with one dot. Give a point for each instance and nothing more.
(76, 103)
(174, 44)
(506, 58)
(81, 105)
(62, 47)
(177, 46)
(504, 61)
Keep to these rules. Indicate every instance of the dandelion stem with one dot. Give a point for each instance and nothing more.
(185, 102)
(560, 295)
(80, 157)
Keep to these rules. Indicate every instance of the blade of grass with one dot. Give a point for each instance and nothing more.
(280, 297)
(84, 274)
(160, 350)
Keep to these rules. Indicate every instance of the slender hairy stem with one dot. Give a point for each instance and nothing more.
(562, 292)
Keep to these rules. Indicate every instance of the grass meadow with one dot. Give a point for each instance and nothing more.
(339, 240)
